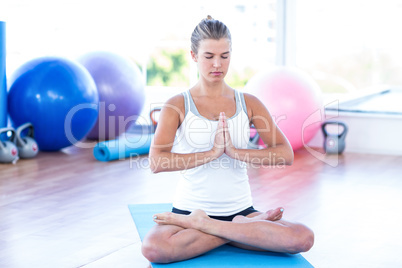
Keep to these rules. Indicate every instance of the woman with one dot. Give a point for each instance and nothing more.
(204, 133)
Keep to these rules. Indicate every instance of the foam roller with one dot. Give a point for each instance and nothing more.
(129, 145)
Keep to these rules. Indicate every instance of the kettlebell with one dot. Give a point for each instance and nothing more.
(27, 146)
(153, 119)
(253, 141)
(8, 150)
(334, 143)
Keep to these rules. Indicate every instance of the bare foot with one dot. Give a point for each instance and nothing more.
(194, 220)
(273, 214)
(270, 215)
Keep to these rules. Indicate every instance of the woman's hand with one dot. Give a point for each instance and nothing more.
(219, 142)
(229, 147)
(223, 142)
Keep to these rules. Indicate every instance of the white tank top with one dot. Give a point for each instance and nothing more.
(220, 187)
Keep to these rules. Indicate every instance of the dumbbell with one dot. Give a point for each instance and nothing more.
(27, 146)
(8, 150)
(334, 143)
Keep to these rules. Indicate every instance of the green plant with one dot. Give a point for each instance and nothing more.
(168, 68)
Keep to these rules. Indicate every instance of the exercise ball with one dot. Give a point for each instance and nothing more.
(121, 93)
(292, 97)
(58, 97)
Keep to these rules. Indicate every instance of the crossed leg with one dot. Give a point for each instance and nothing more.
(179, 237)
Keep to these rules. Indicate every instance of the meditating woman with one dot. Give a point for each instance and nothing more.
(204, 133)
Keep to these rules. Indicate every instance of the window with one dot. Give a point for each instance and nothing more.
(350, 46)
(154, 34)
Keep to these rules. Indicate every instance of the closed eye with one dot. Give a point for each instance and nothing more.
(223, 57)
(209, 55)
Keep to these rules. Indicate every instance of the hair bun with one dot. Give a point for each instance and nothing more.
(209, 17)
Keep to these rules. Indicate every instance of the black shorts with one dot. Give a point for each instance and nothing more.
(245, 212)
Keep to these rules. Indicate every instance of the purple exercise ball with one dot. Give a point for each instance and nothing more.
(121, 93)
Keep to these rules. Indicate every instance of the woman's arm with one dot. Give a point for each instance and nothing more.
(278, 151)
(160, 156)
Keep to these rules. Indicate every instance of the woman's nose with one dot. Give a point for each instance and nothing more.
(217, 63)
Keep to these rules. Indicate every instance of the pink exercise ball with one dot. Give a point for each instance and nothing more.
(292, 97)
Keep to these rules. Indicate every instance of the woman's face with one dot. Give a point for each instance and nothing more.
(213, 59)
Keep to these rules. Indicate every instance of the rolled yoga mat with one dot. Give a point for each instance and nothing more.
(3, 84)
(129, 145)
(223, 256)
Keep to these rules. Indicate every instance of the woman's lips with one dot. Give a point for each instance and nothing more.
(216, 73)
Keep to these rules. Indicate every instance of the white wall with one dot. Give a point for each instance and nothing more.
(373, 134)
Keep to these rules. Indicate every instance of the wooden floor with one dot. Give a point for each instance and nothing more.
(66, 209)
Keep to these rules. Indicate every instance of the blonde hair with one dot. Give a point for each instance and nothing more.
(209, 28)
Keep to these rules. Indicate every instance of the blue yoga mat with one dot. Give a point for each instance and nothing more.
(129, 145)
(3, 84)
(224, 256)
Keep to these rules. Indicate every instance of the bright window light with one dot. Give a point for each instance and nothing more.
(154, 34)
(350, 46)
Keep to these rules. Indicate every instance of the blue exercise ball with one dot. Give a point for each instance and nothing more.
(58, 96)
(121, 92)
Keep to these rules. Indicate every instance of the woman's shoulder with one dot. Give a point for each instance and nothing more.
(176, 104)
(251, 100)
(254, 105)
(176, 99)
(249, 97)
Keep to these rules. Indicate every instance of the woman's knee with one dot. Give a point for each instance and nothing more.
(303, 239)
(156, 250)
(157, 247)
(306, 240)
